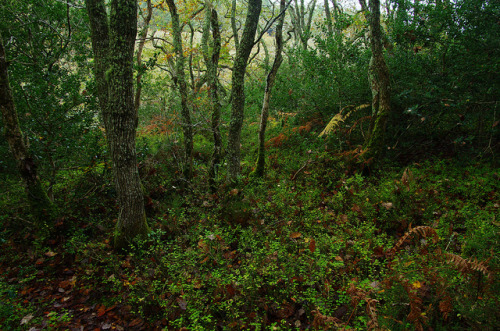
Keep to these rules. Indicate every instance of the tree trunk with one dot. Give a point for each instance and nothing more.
(233, 25)
(212, 63)
(43, 210)
(301, 23)
(328, 15)
(379, 83)
(278, 59)
(120, 119)
(141, 70)
(180, 81)
(238, 88)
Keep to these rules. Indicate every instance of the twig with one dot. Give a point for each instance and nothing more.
(301, 168)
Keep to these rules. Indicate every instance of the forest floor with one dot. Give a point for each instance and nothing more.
(313, 245)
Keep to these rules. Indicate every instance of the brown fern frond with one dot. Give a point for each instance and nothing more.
(323, 321)
(371, 310)
(466, 265)
(407, 178)
(415, 316)
(357, 295)
(445, 307)
(422, 231)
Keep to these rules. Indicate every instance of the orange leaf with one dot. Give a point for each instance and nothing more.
(312, 245)
(295, 235)
(101, 311)
(136, 322)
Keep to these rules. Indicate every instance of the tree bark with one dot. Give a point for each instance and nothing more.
(43, 210)
(233, 25)
(301, 23)
(114, 71)
(238, 87)
(212, 63)
(328, 15)
(142, 42)
(379, 83)
(180, 81)
(271, 77)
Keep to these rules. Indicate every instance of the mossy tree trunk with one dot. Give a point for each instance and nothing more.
(271, 77)
(328, 15)
(180, 81)
(379, 83)
(238, 88)
(113, 48)
(42, 208)
(234, 25)
(141, 69)
(212, 63)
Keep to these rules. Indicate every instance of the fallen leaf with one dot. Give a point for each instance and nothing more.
(387, 205)
(101, 311)
(26, 319)
(295, 235)
(182, 303)
(50, 254)
(203, 246)
(136, 322)
(312, 245)
(417, 284)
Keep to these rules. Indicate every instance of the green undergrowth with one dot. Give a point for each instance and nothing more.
(311, 245)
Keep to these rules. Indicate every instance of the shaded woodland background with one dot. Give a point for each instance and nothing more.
(249, 164)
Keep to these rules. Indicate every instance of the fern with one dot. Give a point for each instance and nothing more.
(422, 231)
(324, 322)
(466, 265)
(358, 295)
(339, 118)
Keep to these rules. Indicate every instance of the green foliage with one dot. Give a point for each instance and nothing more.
(315, 243)
(443, 60)
(49, 73)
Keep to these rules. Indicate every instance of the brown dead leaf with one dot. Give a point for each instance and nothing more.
(101, 311)
(50, 254)
(203, 246)
(312, 245)
(295, 235)
(387, 205)
(136, 323)
(26, 319)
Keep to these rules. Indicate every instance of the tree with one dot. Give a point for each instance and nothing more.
(271, 77)
(42, 208)
(302, 21)
(238, 87)
(212, 64)
(113, 47)
(379, 82)
(180, 80)
(48, 73)
(140, 67)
